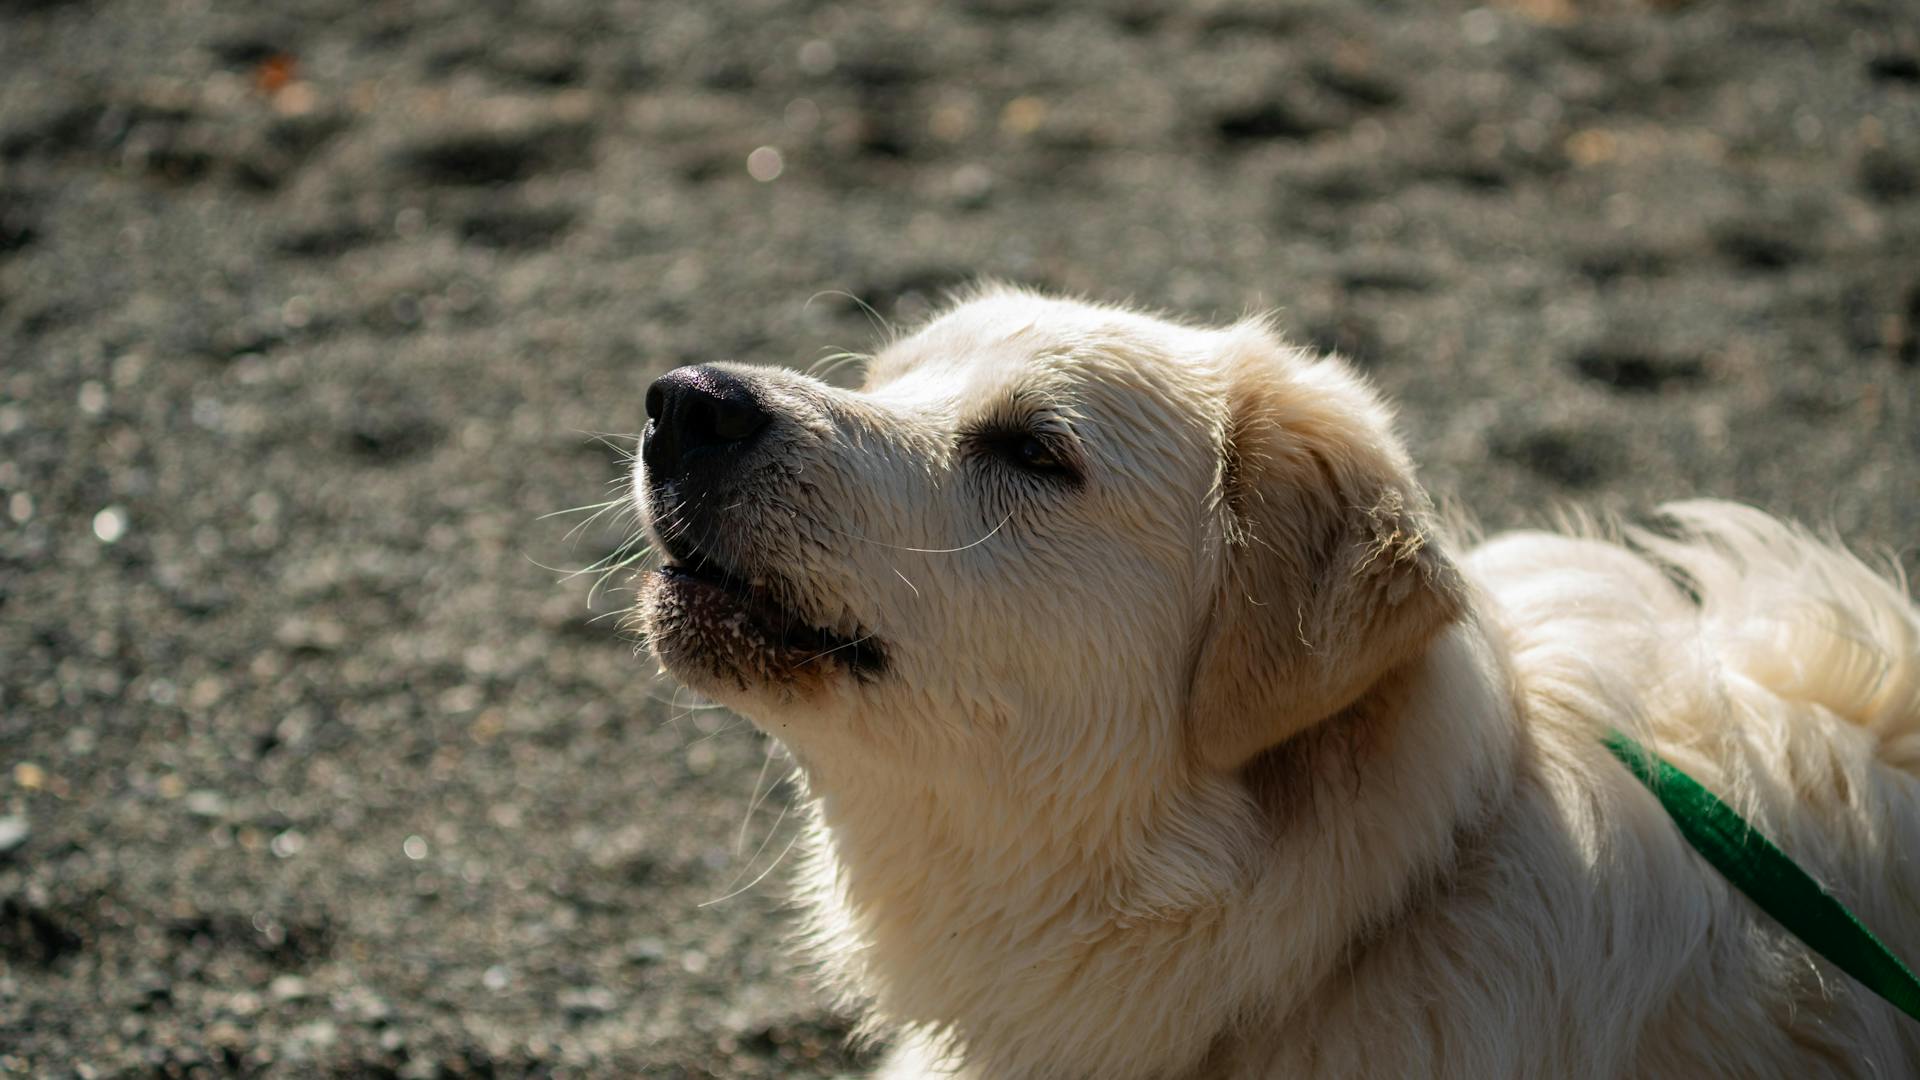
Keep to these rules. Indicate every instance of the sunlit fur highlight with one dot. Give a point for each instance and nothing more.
(1232, 764)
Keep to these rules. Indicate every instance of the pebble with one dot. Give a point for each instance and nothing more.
(110, 525)
(226, 1033)
(289, 988)
(646, 950)
(587, 1001)
(13, 833)
(307, 1039)
(364, 1005)
(153, 989)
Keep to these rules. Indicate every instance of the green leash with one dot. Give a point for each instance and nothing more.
(1770, 879)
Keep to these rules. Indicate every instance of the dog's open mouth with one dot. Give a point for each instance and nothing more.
(706, 618)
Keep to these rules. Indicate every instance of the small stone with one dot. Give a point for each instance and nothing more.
(701, 758)
(318, 1035)
(765, 164)
(289, 988)
(226, 1033)
(364, 1005)
(153, 988)
(13, 833)
(971, 185)
(110, 524)
(311, 635)
(205, 803)
(646, 950)
(587, 1002)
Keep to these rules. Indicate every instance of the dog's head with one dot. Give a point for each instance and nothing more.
(1043, 532)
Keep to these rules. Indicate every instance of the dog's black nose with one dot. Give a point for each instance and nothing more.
(694, 412)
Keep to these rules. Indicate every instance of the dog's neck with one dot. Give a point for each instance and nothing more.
(1018, 928)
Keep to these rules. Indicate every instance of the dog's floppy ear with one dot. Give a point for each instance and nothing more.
(1333, 575)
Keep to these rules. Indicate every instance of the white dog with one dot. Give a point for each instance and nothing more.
(1152, 728)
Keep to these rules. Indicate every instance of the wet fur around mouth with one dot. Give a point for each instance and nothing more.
(742, 627)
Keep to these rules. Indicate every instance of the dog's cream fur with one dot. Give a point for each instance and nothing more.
(1219, 759)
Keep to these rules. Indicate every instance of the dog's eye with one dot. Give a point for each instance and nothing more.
(1024, 451)
(1033, 454)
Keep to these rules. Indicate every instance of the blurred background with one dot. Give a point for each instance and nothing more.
(312, 759)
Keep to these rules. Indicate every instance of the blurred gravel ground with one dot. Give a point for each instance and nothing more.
(307, 767)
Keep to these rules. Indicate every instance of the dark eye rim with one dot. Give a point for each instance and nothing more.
(1008, 447)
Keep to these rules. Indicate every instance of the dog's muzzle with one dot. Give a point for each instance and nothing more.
(723, 609)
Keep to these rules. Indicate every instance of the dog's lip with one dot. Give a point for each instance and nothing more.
(748, 593)
(779, 623)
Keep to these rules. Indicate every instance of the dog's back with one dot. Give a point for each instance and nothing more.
(1785, 674)
(1752, 597)
(1805, 619)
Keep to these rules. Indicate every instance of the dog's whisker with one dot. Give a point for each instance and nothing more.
(854, 644)
(579, 509)
(600, 585)
(931, 551)
(753, 804)
(688, 709)
(607, 439)
(831, 364)
(617, 613)
(762, 876)
(880, 325)
(613, 507)
(675, 703)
